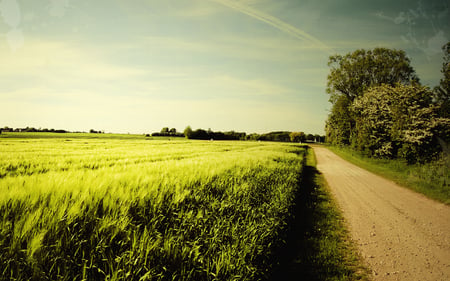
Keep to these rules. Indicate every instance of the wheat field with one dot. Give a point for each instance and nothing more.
(139, 209)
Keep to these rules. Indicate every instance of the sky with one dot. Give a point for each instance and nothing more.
(243, 65)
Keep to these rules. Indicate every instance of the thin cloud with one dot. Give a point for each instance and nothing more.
(52, 60)
(277, 23)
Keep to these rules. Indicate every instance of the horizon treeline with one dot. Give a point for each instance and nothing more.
(199, 134)
(32, 130)
(27, 129)
(380, 108)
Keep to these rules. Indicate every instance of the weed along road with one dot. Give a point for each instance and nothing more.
(402, 235)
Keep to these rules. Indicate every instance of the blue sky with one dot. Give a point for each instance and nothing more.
(248, 65)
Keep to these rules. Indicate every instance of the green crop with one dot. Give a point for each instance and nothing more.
(136, 209)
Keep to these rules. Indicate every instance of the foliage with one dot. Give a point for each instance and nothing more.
(32, 130)
(297, 137)
(97, 209)
(165, 132)
(280, 136)
(340, 122)
(188, 132)
(231, 135)
(352, 74)
(399, 121)
(442, 92)
(201, 134)
(380, 109)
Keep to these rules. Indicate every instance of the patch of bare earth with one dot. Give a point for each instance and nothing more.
(401, 234)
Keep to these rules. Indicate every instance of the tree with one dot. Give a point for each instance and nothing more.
(317, 138)
(200, 134)
(188, 132)
(297, 136)
(399, 121)
(442, 92)
(172, 131)
(280, 136)
(165, 131)
(352, 74)
(253, 137)
(339, 125)
(310, 137)
(373, 122)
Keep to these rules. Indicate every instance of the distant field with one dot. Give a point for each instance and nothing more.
(74, 207)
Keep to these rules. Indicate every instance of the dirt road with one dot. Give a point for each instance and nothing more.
(402, 235)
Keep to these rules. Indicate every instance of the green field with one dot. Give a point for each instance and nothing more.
(75, 207)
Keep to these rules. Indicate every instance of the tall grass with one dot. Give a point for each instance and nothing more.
(318, 245)
(106, 209)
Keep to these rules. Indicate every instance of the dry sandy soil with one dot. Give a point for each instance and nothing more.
(402, 235)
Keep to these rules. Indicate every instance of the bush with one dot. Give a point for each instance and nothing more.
(399, 121)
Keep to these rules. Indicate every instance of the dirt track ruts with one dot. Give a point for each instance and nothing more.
(402, 235)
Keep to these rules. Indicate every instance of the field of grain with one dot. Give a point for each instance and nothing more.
(139, 209)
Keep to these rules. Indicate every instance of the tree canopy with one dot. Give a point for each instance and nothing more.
(399, 121)
(380, 108)
(188, 132)
(352, 74)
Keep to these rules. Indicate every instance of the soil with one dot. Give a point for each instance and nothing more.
(402, 235)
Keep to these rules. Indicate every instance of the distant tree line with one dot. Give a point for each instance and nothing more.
(279, 136)
(201, 134)
(380, 108)
(166, 132)
(31, 130)
(45, 130)
(92, 131)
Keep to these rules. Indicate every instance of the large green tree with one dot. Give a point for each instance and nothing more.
(352, 74)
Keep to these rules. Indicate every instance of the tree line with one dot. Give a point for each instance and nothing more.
(7, 129)
(166, 132)
(202, 134)
(31, 130)
(379, 106)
